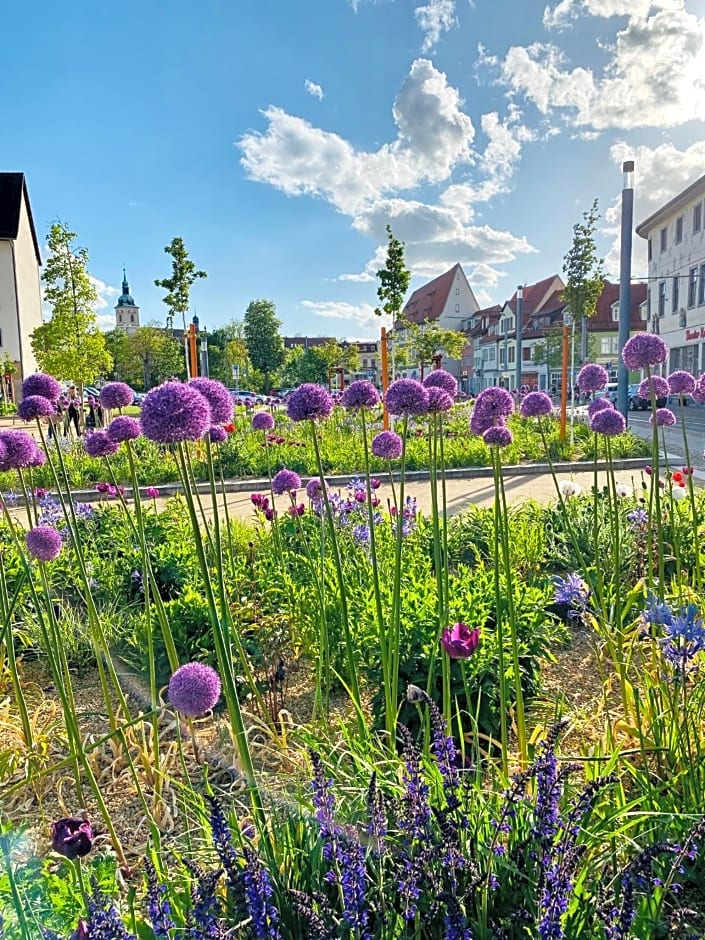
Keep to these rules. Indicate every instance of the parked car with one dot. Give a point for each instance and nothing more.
(242, 395)
(641, 404)
(610, 392)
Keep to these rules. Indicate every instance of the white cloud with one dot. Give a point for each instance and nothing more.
(355, 315)
(313, 89)
(105, 293)
(654, 76)
(361, 278)
(435, 18)
(105, 321)
(660, 173)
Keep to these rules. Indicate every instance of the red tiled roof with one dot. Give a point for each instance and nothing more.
(610, 296)
(427, 302)
(535, 295)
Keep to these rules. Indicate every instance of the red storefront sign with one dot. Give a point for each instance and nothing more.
(695, 334)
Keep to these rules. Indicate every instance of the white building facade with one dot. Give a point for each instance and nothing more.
(20, 288)
(675, 235)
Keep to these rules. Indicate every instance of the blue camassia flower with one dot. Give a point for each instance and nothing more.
(573, 592)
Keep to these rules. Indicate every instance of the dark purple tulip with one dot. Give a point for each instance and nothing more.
(459, 641)
(71, 837)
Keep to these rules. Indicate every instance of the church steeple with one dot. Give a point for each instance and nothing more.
(127, 313)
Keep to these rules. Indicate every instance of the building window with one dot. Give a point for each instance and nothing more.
(615, 313)
(661, 298)
(664, 239)
(485, 355)
(679, 230)
(650, 250)
(501, 357)
(644, 312)
(697, 217)
(692, 286)
(492, 353)
(526, 353)
(674, 294)
(512, 354)
(701, 294)
(457, 308)
(457, 290)
(0, 338)
(132, 318)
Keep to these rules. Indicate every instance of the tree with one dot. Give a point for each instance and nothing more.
(183, 274)
(70, 345)
(431, 340)
(393, 279)
(549, 352)
(265, 346)
(584, 275)
(227, 348)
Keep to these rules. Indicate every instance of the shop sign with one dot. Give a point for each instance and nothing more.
(695, 334)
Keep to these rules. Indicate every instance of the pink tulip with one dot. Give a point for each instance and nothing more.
(459, 641)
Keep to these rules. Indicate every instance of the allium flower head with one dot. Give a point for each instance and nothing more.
(498, 435)
(116, 395)
(98, 444)
(359, 394)
(35, 406)
(41, 384)
(535, 405)
(286, 481)
(592, 378)
(438, 399)
(698, 392)
(262, 421)
(609, 422)
(459, 641)
(681, 382)
(491, 405)
(175, 412)
(644, 349)
(309, 401)
(43, 543)
(71, 837)
(439, 378)
(217, 396)
(194, 689)
(664, 418)
(659, 386)
(406, 397)
(123, 428)
(314, 490)
(598, 404)
(217, 435)
(152, 492)
(18, 450)
(387, 445)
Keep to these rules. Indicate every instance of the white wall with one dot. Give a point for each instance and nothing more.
(28, 290)
(9, 342)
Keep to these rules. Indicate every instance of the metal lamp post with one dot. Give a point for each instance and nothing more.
(625, 283)
(519, 325)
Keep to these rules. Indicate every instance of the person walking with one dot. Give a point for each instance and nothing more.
(72, 412)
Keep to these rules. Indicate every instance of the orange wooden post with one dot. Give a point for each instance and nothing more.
(564, 382)
(192, 350)
(385, 375)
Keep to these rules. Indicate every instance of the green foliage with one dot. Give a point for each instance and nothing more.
(430, 340)
(550, 350)
(264, 343)
(146, 357)
(183, 275)
(69, 345)
(393, 278)
(584, 274)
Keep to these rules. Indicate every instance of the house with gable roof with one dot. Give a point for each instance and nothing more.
(20, 289)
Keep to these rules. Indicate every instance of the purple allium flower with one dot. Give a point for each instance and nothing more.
(498, 435)
(664, 418)
(659, 386)
(217, 434)
(314, 490)
(536, 405)
(309, 401)
(71, 837)
(116, 395)
(35, 406)
(439, 378)
(609, 421)
(194, 689)
(387, 445)
(359, 394)
(43, 543)
(98, 444)
(699, 390)
(459, 641)
(217, 396)
(285, 482)
(491, 405)
(18, 449)
(262, 421)
(406, 397)
(592, 378)
(152, 492)
(123, 428)
(41, 384)
(644, 349)
(598, 404)
(438, 399)
(681, 383)
(175, 412)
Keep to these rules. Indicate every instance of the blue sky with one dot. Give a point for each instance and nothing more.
(278, 139)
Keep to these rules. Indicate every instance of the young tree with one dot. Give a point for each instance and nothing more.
(431, 340)
(393, 279)
(584, 275)
(183, 274)
(70, 345)
(265, 346)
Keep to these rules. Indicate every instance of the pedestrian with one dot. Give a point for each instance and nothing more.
(72, 412)
(56, 420)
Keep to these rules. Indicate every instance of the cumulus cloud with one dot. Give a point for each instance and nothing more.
(106, 293)
(355, 316)
(435, 18)
(313, 89)
(653, 78)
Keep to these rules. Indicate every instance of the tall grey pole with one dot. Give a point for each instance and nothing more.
(625, 282)
(517, 364)
(204, 354)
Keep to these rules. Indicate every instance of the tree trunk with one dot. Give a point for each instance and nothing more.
(583, 340)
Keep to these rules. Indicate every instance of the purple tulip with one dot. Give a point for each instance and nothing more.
(459, 641)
